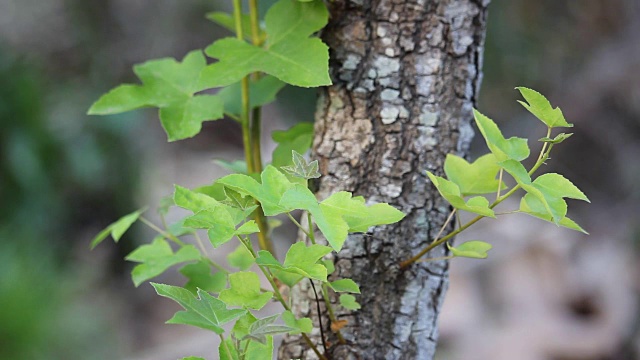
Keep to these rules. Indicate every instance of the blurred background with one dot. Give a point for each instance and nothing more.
(544, 293)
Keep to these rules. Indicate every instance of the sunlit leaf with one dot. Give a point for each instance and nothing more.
(170, 86)
(539, 106)
(476, 178)
(157, 257)
(513, 148)
(451, 192)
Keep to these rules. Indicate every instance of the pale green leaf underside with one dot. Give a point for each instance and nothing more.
(345, 285)
(471, 249)
(203, 311)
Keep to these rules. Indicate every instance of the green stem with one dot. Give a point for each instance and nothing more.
(544, 155)
(332, 316)
(166, 234)
(276, 291)
(298, 225)
(250, 140)
(312, 236)
(437, 258)
(226, 348)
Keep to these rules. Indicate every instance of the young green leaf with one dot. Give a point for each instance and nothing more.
(513, 148)
(268, 193)
(349, 302)
(300, 259)
(117, 229)
(471, 249)
(245, 291)
(262, 92)
(539, 106)
(451, 192)
(290, 55)
(170, 86)
(301, 168)
(157, 257)
(200, 276)
(192, 358)
(340, 213)
(298, 138)
(556, 140)
(345, 285)
(303, 325)
(261, 328)
(476, 178)
(203, 311)
(531, 205)
(240, 258)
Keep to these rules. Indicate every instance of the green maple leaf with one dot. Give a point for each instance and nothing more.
(349, 302)
(471, 249)
(117, 229)
(539, 106)
(451, 192)
(290, 55)
(158, 257)
(301, 168)
(300, 259)
(204, 311)
(556, 140)
(245, 291)
(476, 178)
(240, 258)
(550, 189)
(217, 217)
(531, 205)
(513, 148)
(298, 138)
(261, 329)
(340, 213)
(345, 285)
(303, 325)
(170, 86)
(200, 276)
(268, 193)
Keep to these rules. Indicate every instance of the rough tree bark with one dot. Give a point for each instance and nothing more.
(406, 74)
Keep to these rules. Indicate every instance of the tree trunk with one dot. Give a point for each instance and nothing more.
(406, 75)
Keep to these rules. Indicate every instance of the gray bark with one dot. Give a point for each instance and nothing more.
(406, 75)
